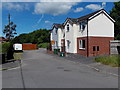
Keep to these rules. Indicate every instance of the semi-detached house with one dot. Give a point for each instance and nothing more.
(88, 35)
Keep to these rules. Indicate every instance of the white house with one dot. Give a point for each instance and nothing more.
(88, 35)
(57, 35)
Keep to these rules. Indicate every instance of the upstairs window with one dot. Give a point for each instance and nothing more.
(56, 30)
(81, 44)
(68, 28)
(82, 26)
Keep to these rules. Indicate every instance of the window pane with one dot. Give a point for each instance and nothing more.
(94, 48)
(80, 44)
(68, 27)
(83, 46)
(97, 48)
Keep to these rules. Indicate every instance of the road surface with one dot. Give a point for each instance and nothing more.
(42, 70)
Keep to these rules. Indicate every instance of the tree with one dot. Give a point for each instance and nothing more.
(10, 29)
(115, 14)
(35, 37)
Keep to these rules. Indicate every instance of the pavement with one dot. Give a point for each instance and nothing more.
(10, 65)
(42, 70)
(90, 62)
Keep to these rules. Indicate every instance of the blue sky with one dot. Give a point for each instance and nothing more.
(31, 16)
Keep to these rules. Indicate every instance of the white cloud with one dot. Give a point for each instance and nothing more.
(53, 8)
(47, 22)
(41, 0)
(16, 6)
(94, 6)
(78, 9)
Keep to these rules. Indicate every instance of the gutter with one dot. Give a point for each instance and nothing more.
(87, 40)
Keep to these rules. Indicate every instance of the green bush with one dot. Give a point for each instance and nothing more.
(43, 45)
(112, 60)
(7, 48)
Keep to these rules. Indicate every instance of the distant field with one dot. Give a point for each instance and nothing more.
(112, 60)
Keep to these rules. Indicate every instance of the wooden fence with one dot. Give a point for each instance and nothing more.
(29, 46)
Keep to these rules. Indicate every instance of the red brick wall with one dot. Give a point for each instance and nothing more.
(102, 42)
(29, 46)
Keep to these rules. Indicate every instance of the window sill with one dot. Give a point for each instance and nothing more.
(81, 48)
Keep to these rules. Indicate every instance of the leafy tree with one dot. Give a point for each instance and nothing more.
(35, 37)
(10, 29)
(115, 14)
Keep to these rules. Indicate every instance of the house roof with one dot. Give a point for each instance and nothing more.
(57, 25)
(87, 16)
(82, 18)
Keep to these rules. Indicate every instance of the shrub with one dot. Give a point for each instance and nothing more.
(7, 48)
(113, 60)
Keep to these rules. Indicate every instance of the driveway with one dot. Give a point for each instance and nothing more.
(42, 70)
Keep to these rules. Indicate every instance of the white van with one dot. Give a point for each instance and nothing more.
(17, 47)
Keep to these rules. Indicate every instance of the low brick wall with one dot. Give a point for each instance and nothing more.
(29, 46)
(115, 47)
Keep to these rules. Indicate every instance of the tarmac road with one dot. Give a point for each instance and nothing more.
(41, 70)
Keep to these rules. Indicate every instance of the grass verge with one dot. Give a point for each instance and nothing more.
(112, 60)
(43, 45)
(17, 56)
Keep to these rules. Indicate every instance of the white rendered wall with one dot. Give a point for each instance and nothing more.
(75, 33)
(60, 35)
(69, 36)
(101, 26)
(57, 37)
(54, 37)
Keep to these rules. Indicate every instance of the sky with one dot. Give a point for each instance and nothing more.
(30, 16)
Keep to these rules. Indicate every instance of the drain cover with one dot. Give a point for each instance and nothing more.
(67, 70)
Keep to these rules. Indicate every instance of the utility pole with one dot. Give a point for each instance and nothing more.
(9, 26)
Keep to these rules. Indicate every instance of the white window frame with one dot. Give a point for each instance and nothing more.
(81, 44)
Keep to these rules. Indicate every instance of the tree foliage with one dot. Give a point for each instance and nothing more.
(115, 14)
(10, 29)
(35, 37)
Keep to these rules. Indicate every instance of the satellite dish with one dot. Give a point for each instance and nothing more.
(103, 5)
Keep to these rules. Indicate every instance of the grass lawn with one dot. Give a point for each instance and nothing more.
(112, 60)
